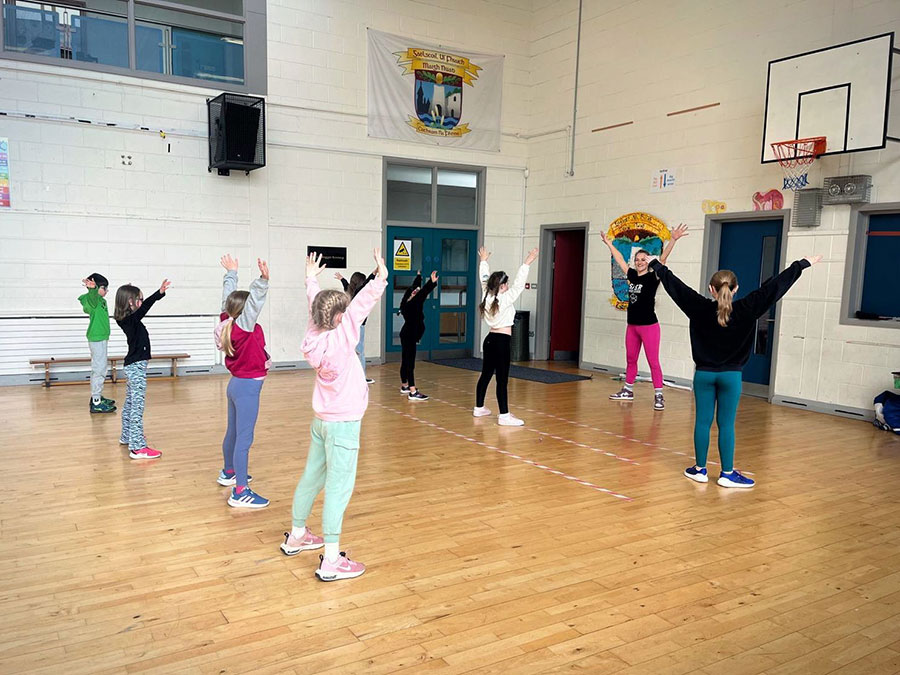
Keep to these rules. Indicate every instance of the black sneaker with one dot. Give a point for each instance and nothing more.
(369, 380)
(404, 390)
(103, 399)
(102, 407)
(417, 396)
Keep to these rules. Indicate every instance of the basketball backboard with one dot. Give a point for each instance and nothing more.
(840, 92)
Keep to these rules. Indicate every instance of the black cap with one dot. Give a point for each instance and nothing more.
(99, 279)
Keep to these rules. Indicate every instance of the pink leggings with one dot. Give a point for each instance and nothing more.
(649, 337)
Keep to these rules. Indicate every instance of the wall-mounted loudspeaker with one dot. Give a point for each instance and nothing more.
(237, 133)
(847, 190)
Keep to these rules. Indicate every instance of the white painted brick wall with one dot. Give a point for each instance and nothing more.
(642, 59)
(78, 209)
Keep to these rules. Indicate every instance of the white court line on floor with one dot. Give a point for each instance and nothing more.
(584, 426)
(501, 451)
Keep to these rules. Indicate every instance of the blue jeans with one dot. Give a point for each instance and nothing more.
(243, 409)
(716, 394)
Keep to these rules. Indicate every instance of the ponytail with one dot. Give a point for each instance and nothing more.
(227, 347)
(723, 284)
(494, 282)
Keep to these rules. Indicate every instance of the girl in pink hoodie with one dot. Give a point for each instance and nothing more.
(340, 398)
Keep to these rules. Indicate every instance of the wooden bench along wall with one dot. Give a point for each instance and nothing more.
(47, 362)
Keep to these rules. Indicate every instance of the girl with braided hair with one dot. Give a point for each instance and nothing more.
(340, 398)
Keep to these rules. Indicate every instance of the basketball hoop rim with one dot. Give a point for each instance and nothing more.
(805, 149)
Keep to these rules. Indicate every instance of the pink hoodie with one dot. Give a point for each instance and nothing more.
(341, 393)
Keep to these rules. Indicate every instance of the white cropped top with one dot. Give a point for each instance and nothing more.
(506, 313)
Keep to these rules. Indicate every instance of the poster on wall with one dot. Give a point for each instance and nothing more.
(662, 180)
(629, 234)
(402, 255)
(4, 173)
(428, 93)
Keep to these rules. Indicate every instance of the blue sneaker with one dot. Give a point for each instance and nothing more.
(735, 480)
(248, 499)
(228, 480)
(696, 474)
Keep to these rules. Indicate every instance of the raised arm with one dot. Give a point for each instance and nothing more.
(230, 282)
(772, 290)
(688, 300)
(91, 299)
(314, 268)
(484, 269)
(616, 254)
(429, 286)
(412, 286)
(257, 298)
(141, 311)
(677, 233)
(363, 302)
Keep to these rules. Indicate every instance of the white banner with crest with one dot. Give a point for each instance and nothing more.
(427, 93)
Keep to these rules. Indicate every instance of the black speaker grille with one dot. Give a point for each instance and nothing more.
(237, 132)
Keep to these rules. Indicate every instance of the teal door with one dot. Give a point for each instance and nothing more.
(450, 309)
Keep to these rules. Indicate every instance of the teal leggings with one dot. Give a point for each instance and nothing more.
(331, 463)
(717, 395)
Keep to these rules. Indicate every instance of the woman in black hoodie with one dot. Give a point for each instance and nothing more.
(413, 311)
(722, 334)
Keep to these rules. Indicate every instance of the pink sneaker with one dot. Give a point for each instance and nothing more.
(309, 542)
(342, 568)
(480, 412)
(145, 453)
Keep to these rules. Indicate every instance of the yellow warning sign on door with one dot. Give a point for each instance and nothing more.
(402, 254)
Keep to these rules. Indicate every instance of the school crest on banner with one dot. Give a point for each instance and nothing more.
(416, 92)
(629, 234)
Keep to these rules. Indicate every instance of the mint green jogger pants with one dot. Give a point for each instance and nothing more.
(331, 463)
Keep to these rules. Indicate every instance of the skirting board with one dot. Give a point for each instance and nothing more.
(829, 408)
(615, 371)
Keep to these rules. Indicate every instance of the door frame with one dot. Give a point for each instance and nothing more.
(545, 288)
(712, 242)
(480, 197)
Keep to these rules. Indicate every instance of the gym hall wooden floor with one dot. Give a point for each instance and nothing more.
(572, 544)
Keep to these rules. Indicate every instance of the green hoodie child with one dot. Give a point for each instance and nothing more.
(94, 305)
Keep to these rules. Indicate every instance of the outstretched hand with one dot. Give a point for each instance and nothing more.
(89, 283)
(483, 253)
(434, 277)
(680, 231)
(532, 256)
(164, 286)
(263, 268)
(229, 263)
(382, 272)
(813, 259)
(604, 237)
(338, 276)
(314, 265)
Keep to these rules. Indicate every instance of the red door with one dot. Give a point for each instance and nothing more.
(568, 285)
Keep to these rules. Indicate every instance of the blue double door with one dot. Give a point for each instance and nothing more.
(752, 250)
(450, 309)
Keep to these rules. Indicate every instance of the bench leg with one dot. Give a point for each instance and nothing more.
(174, 367)
(112, 365)
(46, 374)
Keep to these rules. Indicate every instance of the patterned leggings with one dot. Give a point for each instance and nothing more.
(133, 412)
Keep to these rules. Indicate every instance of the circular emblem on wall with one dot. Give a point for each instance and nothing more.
(629, 234)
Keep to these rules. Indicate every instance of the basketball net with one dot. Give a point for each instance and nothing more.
(795, 157)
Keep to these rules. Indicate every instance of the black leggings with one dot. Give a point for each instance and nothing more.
(408, 361)
(495, 352)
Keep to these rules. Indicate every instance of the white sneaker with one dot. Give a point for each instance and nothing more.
(480, 412)
(509, 420)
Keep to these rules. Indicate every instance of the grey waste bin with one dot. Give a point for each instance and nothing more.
(518, 346)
